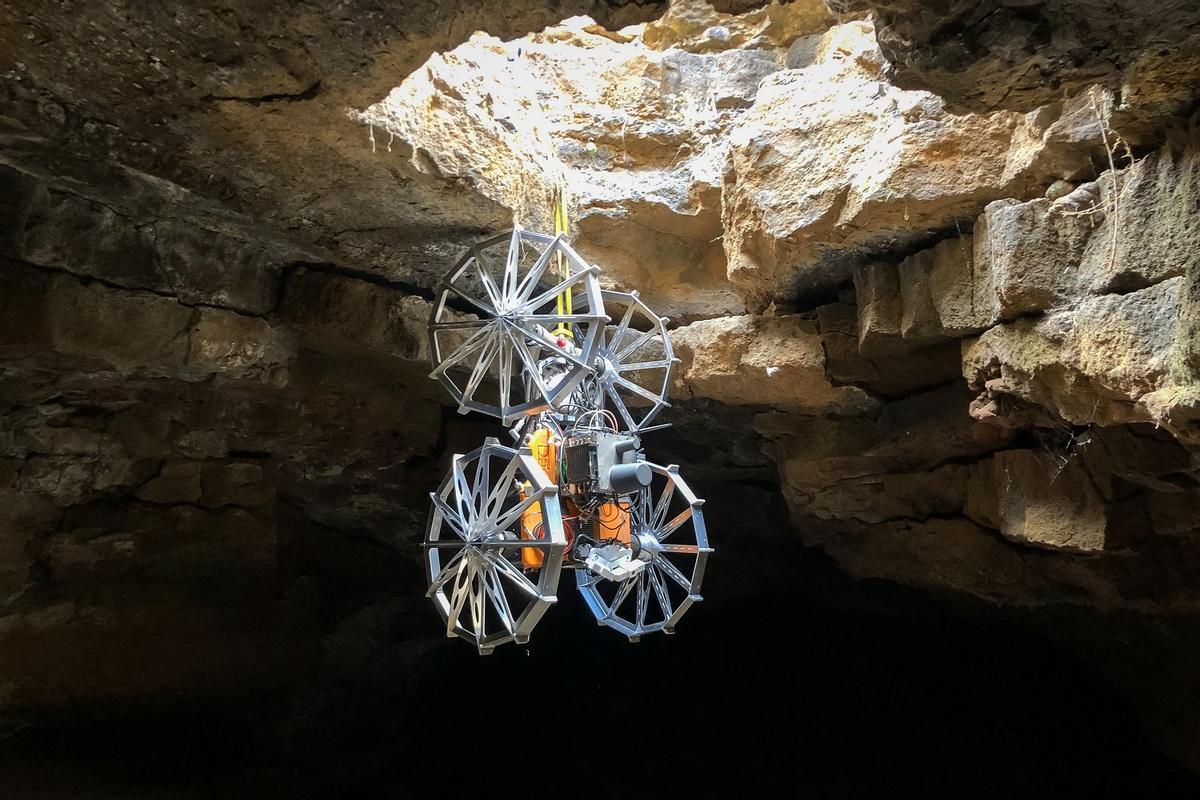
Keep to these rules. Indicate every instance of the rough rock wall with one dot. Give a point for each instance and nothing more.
(246, 102)
(988, 55)
(192, 411)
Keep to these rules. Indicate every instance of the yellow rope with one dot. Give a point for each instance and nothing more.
(563, 304)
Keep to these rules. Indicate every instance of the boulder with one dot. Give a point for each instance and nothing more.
(943, 293)
(1111, 359)
(755, 360)
(695, 26)
(1030, 254)
(1042, 499)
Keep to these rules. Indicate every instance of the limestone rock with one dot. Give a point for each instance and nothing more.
(241, 348)
(56, 313)
(893, 495)
(695, 26)
(1059, 189)
(771, 361)
(1026, 55)
(636, 133)
(1147, 232)
(147, 236)
(337, 311)
(958, 556)
(1031, 255)
(247, 105)
(1041, 499)
(933, 427)
(944, 294)
(178, 482)
(879, 304)
(887, 365)
(235, 483)
(898, 465)
(1106, 361)
(833, 159)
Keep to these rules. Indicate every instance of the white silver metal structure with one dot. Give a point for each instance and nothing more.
(522, 331)
(509, 283)
(634, 362)
(482, 592)
(671, 540)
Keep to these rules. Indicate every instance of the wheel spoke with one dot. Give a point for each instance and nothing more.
(452, 568)
(489, 285)
(482, 481)
(481, 367)
(533, 304)
(503, 486)
(545, 320)
(664, 503)
(638, 342)
(660, 592)
(518, 579)
(505, 372)
(462, 492)
(491, 312)
(638, 390)
(672, 571)
(690, 549)
(643, 599)
(458, 325)
(511, 264)
(615, 397)
(639, 366)
(514, 513)
(473, 343)
(478, 615)
(621, 595)
(673, 525)
(530, 281)
(496, 544)
(622, 327)
(450, 516)
(458, 596)
(550, 345)
(529, 363)
(500, 600)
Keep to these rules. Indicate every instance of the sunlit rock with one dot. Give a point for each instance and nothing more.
(1106, 361)
(770, 361)
(833, 159)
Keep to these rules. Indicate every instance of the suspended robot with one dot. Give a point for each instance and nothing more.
(579, 374)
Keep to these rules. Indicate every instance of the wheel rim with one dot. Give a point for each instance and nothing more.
(473, 562)
(667, 516)
(491, 363)
(634, 360)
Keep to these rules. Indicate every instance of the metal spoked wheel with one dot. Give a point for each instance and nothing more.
(511, 360)
(634, 361)
(473, 551)
(668, 529)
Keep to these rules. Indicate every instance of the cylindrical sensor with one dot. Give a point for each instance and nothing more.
(629, 478)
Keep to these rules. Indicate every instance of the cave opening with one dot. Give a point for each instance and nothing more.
(931, 280)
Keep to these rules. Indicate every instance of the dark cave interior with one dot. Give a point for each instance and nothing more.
(801, 683)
